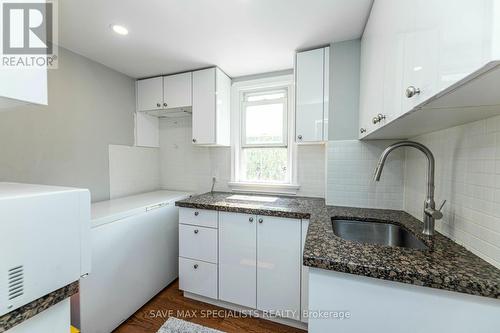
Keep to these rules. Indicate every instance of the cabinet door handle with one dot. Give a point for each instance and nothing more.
(362, 130)
(261, 220)
(412, 91)
(378, 118)
(250, 219)
(165, 104)
(158, 104)
(195, 266)
(196, 231)
(299, 137)
(194, 140)
(196, 213)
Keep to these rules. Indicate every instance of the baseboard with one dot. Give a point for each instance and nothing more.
(239, 308)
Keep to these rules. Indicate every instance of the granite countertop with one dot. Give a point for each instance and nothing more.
(25, 312)
(446, 265)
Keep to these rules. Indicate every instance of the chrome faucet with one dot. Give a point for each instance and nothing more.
(431, 214)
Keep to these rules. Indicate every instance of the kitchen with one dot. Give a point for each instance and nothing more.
(244, 175)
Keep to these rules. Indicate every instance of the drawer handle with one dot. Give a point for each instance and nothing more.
(261, 220)
(195, 266)
(250, 219)
(196, 231)
(196, 213)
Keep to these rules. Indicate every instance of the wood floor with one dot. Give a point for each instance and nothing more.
(171, 302)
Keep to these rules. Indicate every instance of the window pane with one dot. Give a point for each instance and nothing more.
(265, 164)
(265, 96)
(264, 124)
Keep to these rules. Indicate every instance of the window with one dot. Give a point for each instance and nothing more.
(262, 152)
(264, 136)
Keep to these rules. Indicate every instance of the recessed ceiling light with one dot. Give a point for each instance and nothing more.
(119, 29)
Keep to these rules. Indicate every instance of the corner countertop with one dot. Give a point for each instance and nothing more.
(446, 265)
(25, 312)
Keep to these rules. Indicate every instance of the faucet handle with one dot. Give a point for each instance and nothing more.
(435, 213)
(441, 206)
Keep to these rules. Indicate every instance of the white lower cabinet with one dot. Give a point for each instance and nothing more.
(255, 254)
(279, 266)
(237, 259)
(198, 260)
(198, 277)
(258, 264)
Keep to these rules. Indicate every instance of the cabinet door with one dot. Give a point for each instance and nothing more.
(279, 265)
(150, 94)
(309, 95)
(399, 21)
(204, 108)
(23, 84)
(237, 255)
(466, 35)
(326, 92)
(372, 70)
(421, 55)
(177, 90)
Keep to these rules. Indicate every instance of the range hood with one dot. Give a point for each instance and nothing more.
(170, 113)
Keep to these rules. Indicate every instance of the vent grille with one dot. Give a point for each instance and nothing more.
(16, 282)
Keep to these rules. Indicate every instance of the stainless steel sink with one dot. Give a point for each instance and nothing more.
(380, 233)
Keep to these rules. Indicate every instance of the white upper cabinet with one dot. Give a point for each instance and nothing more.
(23, 85)
(167, 92)
(371, 72)
(177, 90)
(426, 55)
(150, 94)
(211, 107)
(312, 90)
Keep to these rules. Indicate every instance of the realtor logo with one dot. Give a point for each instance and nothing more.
(28, 33)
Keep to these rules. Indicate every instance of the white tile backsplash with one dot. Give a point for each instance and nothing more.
(468, 177)
(190, 168)
(133, 170)
(351, 164)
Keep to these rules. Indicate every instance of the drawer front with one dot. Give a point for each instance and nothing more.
(198, 277)
(201, 217)
(198, 243)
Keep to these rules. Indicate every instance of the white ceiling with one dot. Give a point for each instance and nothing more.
(240, 36)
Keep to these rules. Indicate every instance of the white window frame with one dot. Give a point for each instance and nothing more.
(290, 187)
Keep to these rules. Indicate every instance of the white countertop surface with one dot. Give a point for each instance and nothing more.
(112, 210)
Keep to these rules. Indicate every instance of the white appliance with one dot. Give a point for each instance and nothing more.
(44, 234)
(134, 256)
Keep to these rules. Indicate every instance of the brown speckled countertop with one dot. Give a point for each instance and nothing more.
(25, 312)
(446, 265)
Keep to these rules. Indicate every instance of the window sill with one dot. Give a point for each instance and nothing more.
(286, 189)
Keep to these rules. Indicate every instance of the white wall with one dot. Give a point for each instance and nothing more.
(350, 168)
(133, 170)
(66, 142)
(468, 177)
(190, 168)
